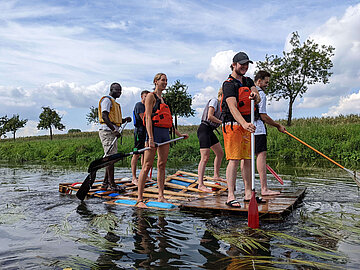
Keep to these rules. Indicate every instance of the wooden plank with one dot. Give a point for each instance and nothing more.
(196, 182)
(195, 175)
(169, 192)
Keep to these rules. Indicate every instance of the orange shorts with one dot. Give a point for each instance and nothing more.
(237, 142)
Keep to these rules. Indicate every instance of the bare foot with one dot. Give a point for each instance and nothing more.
(219, 179)
(204, 188)
(269, 192)
(135, 181)
(162, 199)
(141, 204)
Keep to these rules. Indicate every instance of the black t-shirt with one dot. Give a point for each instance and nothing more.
(230, 89)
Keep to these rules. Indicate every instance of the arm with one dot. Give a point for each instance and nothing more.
(211, 116)
(267, 119)
(231, 102)
(149, 104)
(105, 116)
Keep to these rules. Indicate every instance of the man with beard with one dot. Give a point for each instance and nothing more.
(238, 91)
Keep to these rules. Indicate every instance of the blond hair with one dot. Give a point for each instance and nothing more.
(158, 76)
(220, 93)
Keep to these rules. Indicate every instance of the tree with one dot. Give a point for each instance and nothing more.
(179, 100)
(49, 118)
(291, 74)
(3, 121)
(93, 115)
(14, 123)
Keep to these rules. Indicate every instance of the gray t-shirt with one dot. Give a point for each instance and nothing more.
(216, 105)
(259, 124)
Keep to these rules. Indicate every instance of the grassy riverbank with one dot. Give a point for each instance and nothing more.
(338, 138)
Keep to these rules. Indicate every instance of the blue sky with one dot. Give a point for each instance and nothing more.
(65, 54)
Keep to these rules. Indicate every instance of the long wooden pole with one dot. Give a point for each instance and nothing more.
(356, 178)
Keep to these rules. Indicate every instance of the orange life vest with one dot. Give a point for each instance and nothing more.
(161, 115)
(242, 99)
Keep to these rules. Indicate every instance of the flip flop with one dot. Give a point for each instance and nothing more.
(258, 200)
(233, 203)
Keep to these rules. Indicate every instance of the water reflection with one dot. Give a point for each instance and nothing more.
(127, 238)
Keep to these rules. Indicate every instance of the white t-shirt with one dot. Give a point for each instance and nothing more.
(259, 124)
(106, 105)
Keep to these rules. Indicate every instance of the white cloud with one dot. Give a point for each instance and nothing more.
(347, 105)
(219, 67)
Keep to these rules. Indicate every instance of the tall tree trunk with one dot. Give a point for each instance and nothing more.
(50, 133)
(290, 112)
(14, 135)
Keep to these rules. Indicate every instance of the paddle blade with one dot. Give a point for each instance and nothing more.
(86, 186)
(253, 212)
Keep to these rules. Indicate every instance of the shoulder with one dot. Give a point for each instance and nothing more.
(213, 102)
(248, 81)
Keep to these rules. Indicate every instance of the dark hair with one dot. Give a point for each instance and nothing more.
(261, 75)
(112, 86)
(144, 92)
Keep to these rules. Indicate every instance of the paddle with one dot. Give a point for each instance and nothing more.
(356, 178)
(274, 174)
(253, 211)
(106, 161)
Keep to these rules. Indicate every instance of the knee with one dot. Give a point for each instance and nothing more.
(161, 165)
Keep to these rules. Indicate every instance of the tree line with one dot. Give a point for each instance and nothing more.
(305, 64)
(48, 119)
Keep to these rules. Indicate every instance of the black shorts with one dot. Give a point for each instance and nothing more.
(139, 137)
(206, 136)
(260, 143)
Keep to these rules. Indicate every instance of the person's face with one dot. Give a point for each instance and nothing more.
(263, 84)
(143, 97)
(241, 69)
(161, 83)
(116, 91)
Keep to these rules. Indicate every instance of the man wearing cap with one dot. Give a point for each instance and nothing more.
(238, 90)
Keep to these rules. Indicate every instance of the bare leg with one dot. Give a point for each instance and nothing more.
(134, 161)
(261, 167)
(219, 154)
(246, 175)
(148, 163)
(231, 170)
(163, 152)
(205, 153)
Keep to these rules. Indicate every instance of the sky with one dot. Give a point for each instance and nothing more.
(65, 54)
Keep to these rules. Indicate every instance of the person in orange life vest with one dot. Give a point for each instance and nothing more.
(262, 79)
(158, 132)
(237, 126)
(110, 119)
(210, 120)
(139, 133)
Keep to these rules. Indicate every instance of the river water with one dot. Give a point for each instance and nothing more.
(43, 229)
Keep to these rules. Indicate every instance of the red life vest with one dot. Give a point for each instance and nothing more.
(242, 99)
(161, 115)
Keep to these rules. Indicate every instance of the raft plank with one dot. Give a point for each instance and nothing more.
(274, 206)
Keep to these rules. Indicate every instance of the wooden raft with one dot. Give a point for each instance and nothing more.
(180, 189)
(275, 206)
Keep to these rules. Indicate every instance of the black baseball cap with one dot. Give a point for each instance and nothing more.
(241, 58)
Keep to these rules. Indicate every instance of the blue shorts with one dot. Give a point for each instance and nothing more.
(160, 135)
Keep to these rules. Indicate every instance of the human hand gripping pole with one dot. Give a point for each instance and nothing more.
(253, 211)
(115, 139)
(353, 173)
(106, 161)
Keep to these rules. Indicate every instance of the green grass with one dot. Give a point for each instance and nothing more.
(336, 137)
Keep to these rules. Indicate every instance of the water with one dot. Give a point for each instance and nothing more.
(41, 228)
